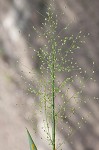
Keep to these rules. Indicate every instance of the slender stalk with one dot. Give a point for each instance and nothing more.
(53, 98)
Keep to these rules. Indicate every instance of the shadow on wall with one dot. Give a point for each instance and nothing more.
(22, 16)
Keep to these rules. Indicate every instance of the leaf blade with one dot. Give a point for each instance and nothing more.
(31, 142)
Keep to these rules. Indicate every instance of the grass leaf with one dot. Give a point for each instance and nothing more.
(31, 142)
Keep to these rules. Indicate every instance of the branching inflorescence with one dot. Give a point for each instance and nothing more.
(55, 92)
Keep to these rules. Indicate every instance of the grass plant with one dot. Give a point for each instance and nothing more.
(55, 93)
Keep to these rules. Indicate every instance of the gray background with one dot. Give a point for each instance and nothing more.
(16, 108)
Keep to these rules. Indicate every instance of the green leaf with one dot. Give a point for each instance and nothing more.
(31, 142)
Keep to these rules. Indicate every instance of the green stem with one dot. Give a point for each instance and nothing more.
(53, 98)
